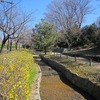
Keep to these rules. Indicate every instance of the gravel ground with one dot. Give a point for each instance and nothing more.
(54, 86)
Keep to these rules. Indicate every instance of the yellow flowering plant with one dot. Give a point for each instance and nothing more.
(17, 70)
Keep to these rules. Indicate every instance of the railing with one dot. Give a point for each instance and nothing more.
(89, 57)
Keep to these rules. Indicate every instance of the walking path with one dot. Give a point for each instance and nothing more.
(54, 86)
(79, 59)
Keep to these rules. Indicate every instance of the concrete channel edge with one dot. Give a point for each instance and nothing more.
(83, 83)
(35, 93)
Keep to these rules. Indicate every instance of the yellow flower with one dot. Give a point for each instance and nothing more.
(16, 66)
(10, 95)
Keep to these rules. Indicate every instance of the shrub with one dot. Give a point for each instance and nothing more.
(16, 74)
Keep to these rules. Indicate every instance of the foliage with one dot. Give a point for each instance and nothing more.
(89, 36)
(44, 35)
(16, 74)
(89, 33)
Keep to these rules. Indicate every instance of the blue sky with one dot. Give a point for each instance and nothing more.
(39, 8)
(89, 19)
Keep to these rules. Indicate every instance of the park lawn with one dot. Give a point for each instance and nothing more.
(5, 46)
(17, 71)
(13, 46)
(83, 70)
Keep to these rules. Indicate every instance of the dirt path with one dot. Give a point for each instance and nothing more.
(80, 59)
(54, 86)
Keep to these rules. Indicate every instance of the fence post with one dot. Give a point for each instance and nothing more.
(90, 62)
(54, 53)
(67, 56)
(75, 58)
(60, 55)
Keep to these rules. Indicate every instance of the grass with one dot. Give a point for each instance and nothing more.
(32, 74)
(5, 46)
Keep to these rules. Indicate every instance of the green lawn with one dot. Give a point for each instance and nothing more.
(32, 74)
(6, 46)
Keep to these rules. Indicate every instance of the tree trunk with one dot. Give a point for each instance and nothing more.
(16, 44)
(11, 45)
(2, 45)
(45, 50)
(8, 45)
(19, 45)
(69, 47)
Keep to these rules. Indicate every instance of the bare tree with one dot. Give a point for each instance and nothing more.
(12, 22)
(17, 40)
(68, 15)
(25, 38)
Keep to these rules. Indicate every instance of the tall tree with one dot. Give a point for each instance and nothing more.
(44, 36)
(68, 16)
(89, 36)
(98, 32)
(25, 38)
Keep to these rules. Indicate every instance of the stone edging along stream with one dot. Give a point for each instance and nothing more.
(35, 94)
(83, 83)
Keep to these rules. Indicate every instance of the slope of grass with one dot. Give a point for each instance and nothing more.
(86, 71)
(32, 75)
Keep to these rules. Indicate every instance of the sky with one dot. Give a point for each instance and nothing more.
(39, 8)
(91, 18)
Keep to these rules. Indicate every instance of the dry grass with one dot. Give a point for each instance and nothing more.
(83, 70)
